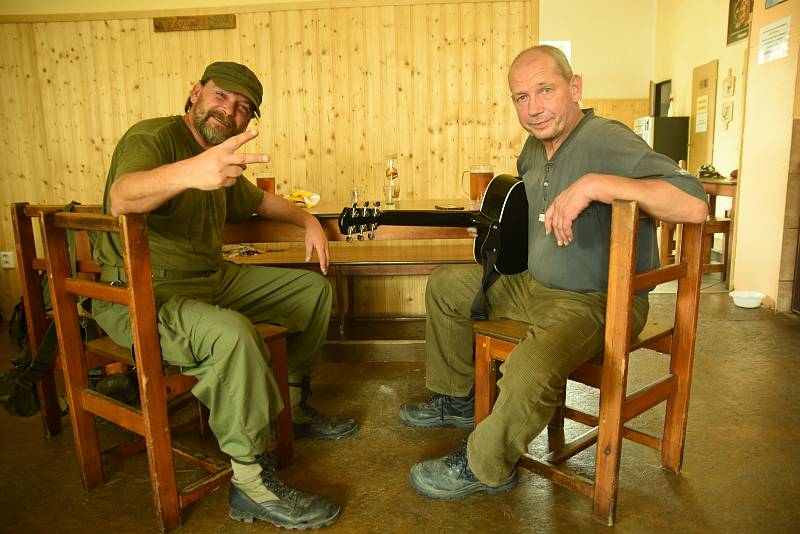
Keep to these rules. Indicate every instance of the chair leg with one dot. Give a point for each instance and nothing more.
(485, 378)
(159, 453)
(48, 405)
(609, 445)
(284, 431)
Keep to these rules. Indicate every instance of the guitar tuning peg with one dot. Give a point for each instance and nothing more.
(371, 236)
(366, 203)
(349, 239)
(361, 237)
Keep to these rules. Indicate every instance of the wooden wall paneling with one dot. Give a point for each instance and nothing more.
(144, 55)
(105, 135)
(436, 81)
(404, 79)
(372, 95)
(388, 133)
(356, 128)
(448, 181)
(420, 128)
(92, 175)
(46, 65)
(256, 45)
(466, 80)
(312, 105)
(483, 85)
(281, 148)
(499, 34)
(324, 109)
(340, 52)
(294, 82)
(624, 110)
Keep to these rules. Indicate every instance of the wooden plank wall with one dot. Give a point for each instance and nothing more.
(345, 89)
(625, 110)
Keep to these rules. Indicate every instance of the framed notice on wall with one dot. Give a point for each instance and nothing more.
(740, 12)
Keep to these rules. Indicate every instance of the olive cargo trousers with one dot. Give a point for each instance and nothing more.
(566, 330)
(205, 325)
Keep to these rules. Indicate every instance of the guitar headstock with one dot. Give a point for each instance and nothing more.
(358, 220)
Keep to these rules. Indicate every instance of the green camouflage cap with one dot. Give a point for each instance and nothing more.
(237, 79)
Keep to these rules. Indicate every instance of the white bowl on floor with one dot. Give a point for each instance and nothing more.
(747, 299)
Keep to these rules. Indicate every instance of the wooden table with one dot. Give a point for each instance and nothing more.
(720, 186)
(418, 256)
(714, 187)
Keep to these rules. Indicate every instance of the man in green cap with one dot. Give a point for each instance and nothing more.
(184, 172)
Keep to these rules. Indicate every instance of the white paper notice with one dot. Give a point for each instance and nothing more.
(701, 114)
(773, 41)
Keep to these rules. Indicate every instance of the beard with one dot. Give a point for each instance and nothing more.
(214, 134)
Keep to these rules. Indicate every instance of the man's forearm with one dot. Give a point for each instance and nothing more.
(280, 209)
(144, 191)
(658, 198)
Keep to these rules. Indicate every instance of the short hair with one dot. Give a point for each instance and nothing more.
(560, 60)
(189, 99)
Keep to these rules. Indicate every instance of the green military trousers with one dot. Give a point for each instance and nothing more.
(566, 330)
(206, 327)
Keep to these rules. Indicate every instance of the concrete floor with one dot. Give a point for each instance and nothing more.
(741, 471)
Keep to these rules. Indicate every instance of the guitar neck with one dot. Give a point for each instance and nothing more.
(452, 219)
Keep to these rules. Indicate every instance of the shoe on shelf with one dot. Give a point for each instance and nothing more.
(308, 422)
(440, 411)
(279, 504)
(450, 477)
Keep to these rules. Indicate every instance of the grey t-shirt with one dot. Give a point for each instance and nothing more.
(602, 146)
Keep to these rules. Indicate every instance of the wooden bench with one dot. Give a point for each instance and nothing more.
(495, 339)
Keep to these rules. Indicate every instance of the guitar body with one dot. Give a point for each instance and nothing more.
(502, 223)
(505, 207)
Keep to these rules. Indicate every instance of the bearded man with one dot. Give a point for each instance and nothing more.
(184, 172)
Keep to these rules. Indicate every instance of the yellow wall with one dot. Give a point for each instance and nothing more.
(612, 43)
(771, 90)
(702, 38)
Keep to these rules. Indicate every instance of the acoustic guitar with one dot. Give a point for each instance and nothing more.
(502, 223)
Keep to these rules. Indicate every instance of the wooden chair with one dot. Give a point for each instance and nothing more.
(716, 225)
(157, 384)
(496, 338)
(30, 264)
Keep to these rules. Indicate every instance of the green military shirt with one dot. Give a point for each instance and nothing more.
(596, 145)
(185, 232)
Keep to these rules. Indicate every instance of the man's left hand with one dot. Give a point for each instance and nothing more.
(565, 208)
(317, 240)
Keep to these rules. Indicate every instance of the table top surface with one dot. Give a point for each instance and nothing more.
(326, 209)
(724, 180)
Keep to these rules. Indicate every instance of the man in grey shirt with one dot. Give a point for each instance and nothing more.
(574, 165)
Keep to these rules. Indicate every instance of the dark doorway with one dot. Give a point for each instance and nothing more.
(661, 98)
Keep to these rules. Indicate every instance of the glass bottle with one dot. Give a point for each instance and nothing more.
(391, 178)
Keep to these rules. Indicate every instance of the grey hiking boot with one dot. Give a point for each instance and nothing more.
(308, 422)
(450, 477)
(440, 411)
(286, 508)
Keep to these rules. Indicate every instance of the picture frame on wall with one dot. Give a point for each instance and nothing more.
(740, 13)
(772, 3)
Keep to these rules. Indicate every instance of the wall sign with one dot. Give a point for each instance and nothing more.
(199, 22)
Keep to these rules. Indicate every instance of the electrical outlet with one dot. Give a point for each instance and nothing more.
(7, 260)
